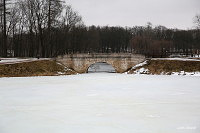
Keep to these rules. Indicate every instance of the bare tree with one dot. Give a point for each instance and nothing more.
(1, 26)
(71, 18)
(55, 8)
(197, 21)
(4, 12)
(1, 15)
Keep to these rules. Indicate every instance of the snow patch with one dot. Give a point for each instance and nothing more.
(18, 60)
(138, 70)
(183, 73)
(141, 71)
(176, 59)
(65, 68)
(140, 65)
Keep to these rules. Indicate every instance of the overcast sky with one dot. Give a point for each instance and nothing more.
(169, 13)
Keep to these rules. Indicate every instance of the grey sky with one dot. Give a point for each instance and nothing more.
(170, 13)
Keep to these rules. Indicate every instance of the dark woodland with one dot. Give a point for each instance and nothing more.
(48, 28)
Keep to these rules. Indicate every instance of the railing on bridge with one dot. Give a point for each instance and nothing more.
(100, 55)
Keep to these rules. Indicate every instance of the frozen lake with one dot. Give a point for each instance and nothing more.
(100, 103)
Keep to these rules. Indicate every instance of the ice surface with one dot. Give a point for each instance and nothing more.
(101, 67)
(100, 103)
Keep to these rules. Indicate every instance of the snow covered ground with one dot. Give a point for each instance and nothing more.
(19, 60)
(177, 59)
(100, 103)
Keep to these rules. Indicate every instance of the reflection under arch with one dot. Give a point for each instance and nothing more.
(101, 67)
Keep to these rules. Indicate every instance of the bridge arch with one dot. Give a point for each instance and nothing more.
(121, 62)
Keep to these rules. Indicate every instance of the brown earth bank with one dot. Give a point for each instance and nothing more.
(52, 68)
(35, 68)
(157, 67)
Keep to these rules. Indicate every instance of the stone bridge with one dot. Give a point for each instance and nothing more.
(121, 62)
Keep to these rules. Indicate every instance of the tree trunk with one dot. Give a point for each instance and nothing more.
(4, 30)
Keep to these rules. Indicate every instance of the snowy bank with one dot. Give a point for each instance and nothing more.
(168, 66)
(34, 68)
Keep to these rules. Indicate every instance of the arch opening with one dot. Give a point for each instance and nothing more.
(101, 67)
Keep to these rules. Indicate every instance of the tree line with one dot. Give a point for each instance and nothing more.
(48, 28)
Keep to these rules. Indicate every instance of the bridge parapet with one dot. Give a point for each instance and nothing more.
(120, 61)
(100, 55)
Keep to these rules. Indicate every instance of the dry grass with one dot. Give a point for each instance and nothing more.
(36, 68)
(169, 66)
